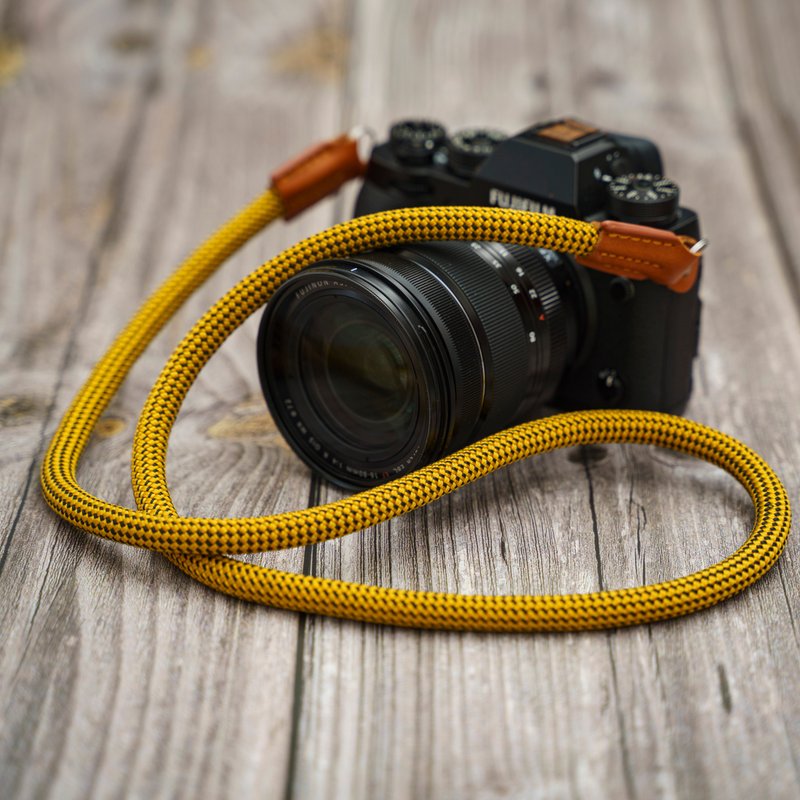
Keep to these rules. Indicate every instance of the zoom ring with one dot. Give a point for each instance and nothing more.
(486, 300)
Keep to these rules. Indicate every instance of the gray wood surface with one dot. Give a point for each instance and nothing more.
(127, 132)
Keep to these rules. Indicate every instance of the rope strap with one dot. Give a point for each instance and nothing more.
(202, 547)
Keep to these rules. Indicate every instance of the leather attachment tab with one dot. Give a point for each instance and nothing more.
(316, 173)
(642, 253)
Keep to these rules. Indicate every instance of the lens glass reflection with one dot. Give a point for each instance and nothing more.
(357, 375)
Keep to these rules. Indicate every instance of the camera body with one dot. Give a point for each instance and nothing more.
(378, 363)
(638, 339)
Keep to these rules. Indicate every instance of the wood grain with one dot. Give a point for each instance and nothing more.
(762, 66)
(661, 711)
(127, 132)
(120, 675)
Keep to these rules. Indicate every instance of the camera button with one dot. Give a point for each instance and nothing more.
(611, 386)
(622, 289)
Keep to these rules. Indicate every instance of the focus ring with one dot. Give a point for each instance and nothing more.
(499, 320)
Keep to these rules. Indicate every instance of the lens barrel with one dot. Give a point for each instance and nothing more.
(375, 365)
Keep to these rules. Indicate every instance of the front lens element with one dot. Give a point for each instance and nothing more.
(357, 375)
(350, 376)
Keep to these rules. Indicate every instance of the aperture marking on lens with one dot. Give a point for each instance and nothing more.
(527, 300)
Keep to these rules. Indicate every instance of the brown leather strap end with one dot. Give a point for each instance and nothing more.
(644, 253)
(318, 172)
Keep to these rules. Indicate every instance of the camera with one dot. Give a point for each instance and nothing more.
(375, 365)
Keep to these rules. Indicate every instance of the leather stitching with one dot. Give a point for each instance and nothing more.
(655, 242)
(606, 254)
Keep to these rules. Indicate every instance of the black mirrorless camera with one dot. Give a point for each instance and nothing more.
(375, 365)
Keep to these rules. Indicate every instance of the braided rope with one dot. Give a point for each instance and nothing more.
(202, 546)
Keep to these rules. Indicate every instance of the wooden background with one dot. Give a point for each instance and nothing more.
(128, 131)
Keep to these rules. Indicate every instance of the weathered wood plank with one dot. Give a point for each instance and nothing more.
(757, 43)
(673, 710)
(120, 676)
(144, 129)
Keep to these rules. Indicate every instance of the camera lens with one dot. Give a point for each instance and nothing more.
(376, 365)
(356, 373)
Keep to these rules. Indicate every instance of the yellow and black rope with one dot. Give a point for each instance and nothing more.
(202, 546)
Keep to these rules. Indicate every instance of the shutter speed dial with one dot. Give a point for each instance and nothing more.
(644, 198)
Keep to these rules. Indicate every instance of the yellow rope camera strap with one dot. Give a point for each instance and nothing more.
(202, 547)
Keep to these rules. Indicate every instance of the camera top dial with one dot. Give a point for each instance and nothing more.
(414, 141)
(469, 148)
(644, 198)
